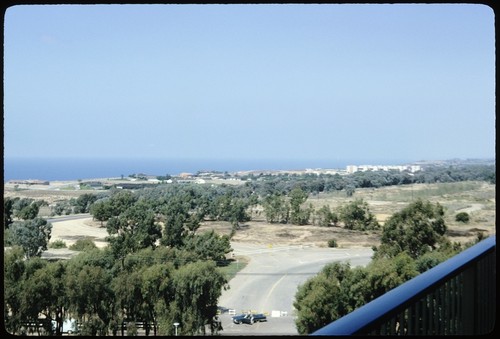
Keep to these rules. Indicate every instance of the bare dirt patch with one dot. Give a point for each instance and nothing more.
(477, 199)
(261, 232)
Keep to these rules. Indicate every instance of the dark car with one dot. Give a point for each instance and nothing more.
(249, 318)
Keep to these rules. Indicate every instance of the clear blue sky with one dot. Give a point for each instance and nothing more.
(250, 81)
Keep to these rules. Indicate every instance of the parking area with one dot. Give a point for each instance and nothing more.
(273, 326)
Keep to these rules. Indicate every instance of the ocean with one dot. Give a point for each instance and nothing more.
(91, 168)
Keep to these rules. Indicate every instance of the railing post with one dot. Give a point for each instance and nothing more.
(468, 300)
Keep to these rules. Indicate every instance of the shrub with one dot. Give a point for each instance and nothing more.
(332, 243)
(57, 244)
(83, 245)
(462, 217)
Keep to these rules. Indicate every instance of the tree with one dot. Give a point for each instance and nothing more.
(120, 201)
(349, 190)
(83, 202)
(326, 217)
(209, 246)
(29, 212)
(276, 209)
(338, 290)
(101, 211)
(8, 210)
(62, 207)
(134, 229)
(356, 215)
(156, 290)
(44, 293)
(416, 229)
(175, 217)
(197, 288)
(32, 235)
(126, 288)
(238, 212)
(14, 267)
(298, 214)
(385, 274)
(90, 297)
(26, 208)
(321, 300)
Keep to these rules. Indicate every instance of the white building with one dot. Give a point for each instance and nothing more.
(363, 168)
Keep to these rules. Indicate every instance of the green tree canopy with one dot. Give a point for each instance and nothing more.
(416, 229)
(133, 229)
(276, 208)
(197, 288)
(462, 217)
(83, 202)
(326, 217)
(209, 246)
(90, 297)
(32, 235)
(356, 215)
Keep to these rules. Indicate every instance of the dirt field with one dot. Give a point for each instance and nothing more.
(477, 199)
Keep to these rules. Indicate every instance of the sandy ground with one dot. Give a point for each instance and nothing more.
(480, 204)
(70, 231)
(258, 232)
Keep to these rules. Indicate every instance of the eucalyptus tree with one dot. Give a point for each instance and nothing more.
(208, 246)
(317, 302)
(339, 289)
(8, 211)
(83, 202)
(276, 208)
(32, 235)
(417, 229)
(101, 210)
(156, 291)
(14, 267)
(90, 296)
(127, 291)
(44, 293)
(134, 229)
(356, 215)
(175, 218)
(299, 215)
(196, 288)
(326, 217)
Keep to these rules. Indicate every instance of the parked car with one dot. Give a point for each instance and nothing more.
(249, 318)
(69, 326)
(259, 317)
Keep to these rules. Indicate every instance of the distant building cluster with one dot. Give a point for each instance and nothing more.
(401, 168)
(29, 182)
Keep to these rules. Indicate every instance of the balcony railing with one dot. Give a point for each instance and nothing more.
(456, 297)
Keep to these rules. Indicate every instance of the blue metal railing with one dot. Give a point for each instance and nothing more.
(455, 297)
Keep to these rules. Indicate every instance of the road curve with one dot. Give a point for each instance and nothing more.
(268, 283)
(270, 280)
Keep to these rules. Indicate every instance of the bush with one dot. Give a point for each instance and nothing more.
(57, 244)
(83, 245)
(462, 217)
(332, 243)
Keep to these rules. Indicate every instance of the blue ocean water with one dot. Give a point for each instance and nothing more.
(86, 168)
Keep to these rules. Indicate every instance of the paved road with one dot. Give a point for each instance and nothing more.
(69, 217)
(269, 282)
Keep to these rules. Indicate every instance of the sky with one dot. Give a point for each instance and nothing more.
(261, 81)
